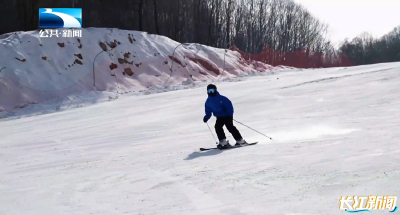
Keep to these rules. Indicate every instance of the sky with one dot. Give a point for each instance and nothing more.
(350, 18)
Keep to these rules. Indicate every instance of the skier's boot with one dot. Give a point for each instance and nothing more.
(223, 144)
(240, 142)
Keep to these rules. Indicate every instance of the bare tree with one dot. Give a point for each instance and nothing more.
(283, 28)
(156, 16)
(140, 12)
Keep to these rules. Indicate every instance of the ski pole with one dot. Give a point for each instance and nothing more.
(211, 132)
(252, 129)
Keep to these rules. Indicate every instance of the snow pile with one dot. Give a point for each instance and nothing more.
(36, 69)
(282, 67)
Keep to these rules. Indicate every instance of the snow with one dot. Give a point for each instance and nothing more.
(36, 70)
(335, 133)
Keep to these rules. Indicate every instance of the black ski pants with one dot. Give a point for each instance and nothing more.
(228, 122)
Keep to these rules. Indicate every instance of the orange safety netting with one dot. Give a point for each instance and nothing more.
(298, 59)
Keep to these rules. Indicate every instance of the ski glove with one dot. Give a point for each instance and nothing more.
(205, 119)
(230, 118)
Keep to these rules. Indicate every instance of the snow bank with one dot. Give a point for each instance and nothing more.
(34, 69)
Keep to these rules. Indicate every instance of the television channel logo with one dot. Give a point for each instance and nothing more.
(356, 204)
(60, 17)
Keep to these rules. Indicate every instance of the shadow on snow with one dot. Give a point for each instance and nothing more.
(195, 155)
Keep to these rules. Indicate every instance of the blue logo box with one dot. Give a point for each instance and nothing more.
(60, 17)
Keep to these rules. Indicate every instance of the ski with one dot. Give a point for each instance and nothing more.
(229, 147)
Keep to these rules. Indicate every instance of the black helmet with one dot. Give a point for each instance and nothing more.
(211, 90)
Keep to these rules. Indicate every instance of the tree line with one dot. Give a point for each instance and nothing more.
(365, 49)
(250, 25)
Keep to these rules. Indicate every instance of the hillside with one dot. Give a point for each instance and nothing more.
(39, 69)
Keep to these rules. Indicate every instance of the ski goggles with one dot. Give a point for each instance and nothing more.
(210, 91)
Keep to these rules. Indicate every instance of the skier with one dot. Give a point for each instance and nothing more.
(222, 108)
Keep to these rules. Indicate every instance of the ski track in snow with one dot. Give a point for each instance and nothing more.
(334, 78)
(139, 154)
(200, 201)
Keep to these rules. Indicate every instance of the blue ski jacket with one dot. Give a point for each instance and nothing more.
(219, 106)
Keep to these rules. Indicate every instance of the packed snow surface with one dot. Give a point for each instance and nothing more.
(335, 133)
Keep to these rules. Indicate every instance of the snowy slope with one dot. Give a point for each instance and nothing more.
(336, 133)
(37, 69)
